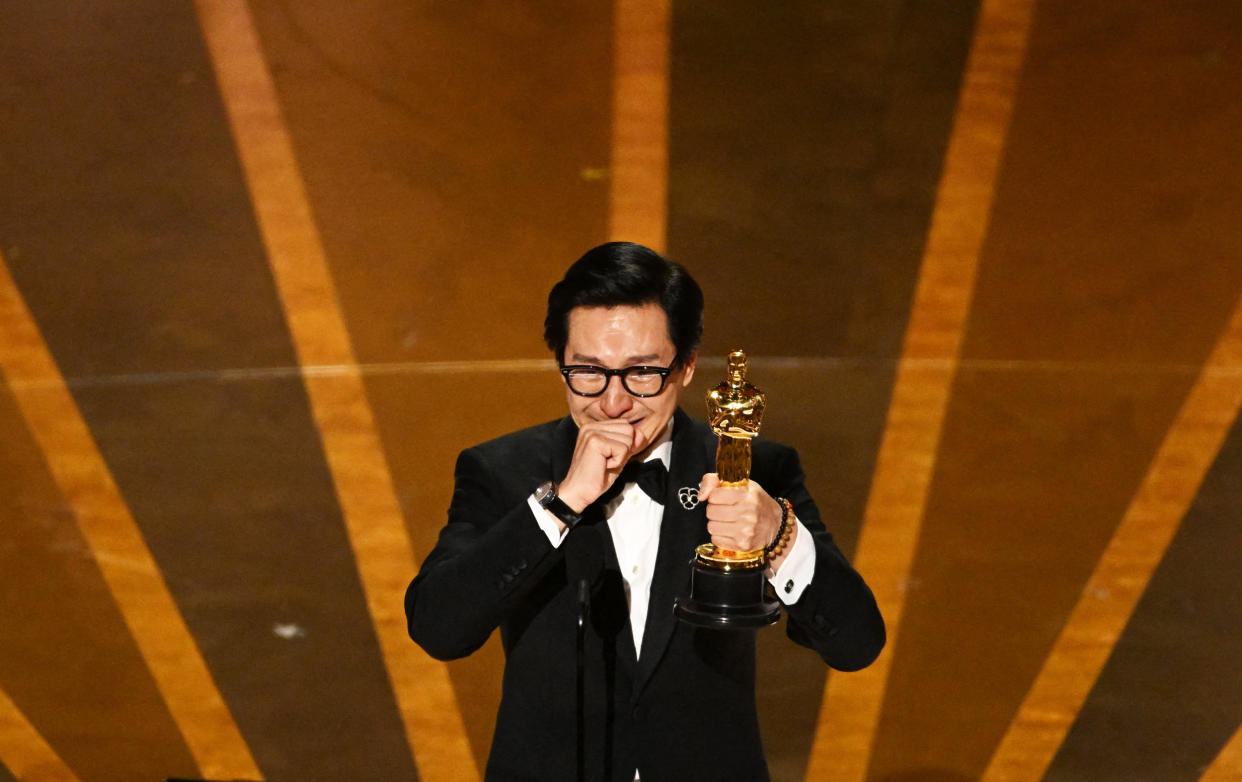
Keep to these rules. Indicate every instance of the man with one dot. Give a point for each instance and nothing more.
(663, 700)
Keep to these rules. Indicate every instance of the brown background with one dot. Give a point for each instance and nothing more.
(455, 160)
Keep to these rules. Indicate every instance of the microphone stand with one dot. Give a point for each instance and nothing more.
(584, 561)
(584, 609)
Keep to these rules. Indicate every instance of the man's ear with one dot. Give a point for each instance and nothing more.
(689, 368)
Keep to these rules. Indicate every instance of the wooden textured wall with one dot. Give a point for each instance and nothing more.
(267, 266)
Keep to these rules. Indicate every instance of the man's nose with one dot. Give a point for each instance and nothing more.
(615, 401)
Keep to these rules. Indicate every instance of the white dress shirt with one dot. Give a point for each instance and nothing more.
(634, 523)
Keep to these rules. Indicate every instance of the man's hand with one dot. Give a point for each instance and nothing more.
(741, 518)
(600, 454)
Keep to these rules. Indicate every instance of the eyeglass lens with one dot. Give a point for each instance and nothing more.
(637, 380)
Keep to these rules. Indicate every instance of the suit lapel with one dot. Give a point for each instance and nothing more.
(563, 439)
(680, 531)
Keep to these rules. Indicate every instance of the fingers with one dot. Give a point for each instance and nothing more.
(735, 537)
(706, 486)
(617, 436)
(713, 491)
(602, 449)
(613, 440)
(640, 440)
(732, 522)
(742, 518)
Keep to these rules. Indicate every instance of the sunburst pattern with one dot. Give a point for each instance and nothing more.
(267, 266)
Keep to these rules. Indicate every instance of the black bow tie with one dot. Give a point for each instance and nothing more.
(651, 476)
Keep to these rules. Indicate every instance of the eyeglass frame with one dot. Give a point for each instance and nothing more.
(663, 372)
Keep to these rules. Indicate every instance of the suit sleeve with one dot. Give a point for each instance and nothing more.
(836, 615)
(489, 555)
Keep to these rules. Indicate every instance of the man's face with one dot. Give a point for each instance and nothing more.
(620, 337)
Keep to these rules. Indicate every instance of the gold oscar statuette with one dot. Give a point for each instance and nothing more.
(727, 588)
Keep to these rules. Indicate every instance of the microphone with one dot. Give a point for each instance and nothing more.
(584, 563)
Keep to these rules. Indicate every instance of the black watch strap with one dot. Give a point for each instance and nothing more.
(548, 499)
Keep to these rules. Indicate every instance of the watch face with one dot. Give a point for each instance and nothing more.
(545, 493)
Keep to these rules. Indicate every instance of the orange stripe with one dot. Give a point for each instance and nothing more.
(849, 717)
(373, 519)
(117, 544)
(24, 752)
(638, 191)
(1228, 764)
(1138, 545)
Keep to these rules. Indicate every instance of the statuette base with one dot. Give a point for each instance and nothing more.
(727, 599)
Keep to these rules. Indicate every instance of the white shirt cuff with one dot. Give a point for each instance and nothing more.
(798, 568)
(546, 522)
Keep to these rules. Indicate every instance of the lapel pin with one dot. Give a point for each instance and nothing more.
(688, 496)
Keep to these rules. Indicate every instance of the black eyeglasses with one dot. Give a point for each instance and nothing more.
(586, 380)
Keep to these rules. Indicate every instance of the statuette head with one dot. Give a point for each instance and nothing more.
(737, 368)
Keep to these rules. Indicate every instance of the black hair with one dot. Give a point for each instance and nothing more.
(623, 273)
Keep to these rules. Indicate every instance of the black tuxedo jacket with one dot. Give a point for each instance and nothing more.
(685, 709)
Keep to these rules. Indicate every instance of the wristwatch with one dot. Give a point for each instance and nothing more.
(546, 496)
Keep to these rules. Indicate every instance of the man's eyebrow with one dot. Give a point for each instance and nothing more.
(632, 361)
(643, 359)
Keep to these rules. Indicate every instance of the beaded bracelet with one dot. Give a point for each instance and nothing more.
(781, 540)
